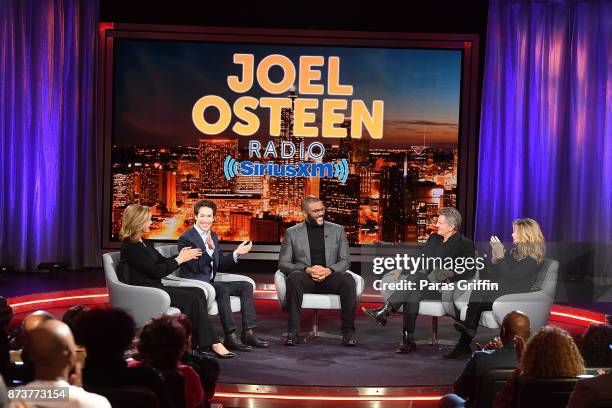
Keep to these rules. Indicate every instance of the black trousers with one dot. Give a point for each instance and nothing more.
(410, 299)
(343, 284)
(192, 302)
(242, 289)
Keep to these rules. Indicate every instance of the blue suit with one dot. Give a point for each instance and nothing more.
(206, 267)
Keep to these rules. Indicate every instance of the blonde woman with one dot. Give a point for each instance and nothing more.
(550, 353)
(147, 267)
(514, 271)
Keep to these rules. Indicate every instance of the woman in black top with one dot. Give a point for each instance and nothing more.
(147, 267)
(515, 271)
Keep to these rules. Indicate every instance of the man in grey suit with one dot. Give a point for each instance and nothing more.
(501, 353)
(315, 256)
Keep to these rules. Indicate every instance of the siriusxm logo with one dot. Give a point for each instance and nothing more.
(233, 168)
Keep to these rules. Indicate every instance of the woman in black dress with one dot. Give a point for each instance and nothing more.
(515, 271)
(147, 267)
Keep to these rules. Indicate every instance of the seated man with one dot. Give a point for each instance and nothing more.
(206, 267)
(53, 352)
(315, 256)
(504, 352)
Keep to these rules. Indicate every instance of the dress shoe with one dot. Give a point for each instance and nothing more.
(249, 338)
(232, 342)
(379, 314)
(407, 345)
(292, 339)
(349, 339)
(229, 354)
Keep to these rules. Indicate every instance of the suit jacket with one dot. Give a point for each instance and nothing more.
(480, 363)
(457, 246)
(590, 390)
(200, 268)
(295, 249)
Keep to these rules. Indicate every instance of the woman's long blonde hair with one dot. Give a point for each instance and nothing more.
(133, 221)
(531, 240)
(551, 352)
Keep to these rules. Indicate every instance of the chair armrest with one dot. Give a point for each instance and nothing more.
(208, 289)
(359, 283)
(280, 283)
(234, 277)
(536, 305)
(142, 302)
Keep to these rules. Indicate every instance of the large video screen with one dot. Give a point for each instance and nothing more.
(373, 131)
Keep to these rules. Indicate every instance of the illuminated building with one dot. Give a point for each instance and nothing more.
(212, 154)
(342, 204)
(265, 229)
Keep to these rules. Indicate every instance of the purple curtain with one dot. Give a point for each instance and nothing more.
(546, 126)
(50, 194)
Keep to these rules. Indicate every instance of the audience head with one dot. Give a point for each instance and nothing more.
(52, 350)
(70, 318)
(28, 324)
(6, 312)
(551, 352)
(136, 220)
(162, 342)
(528, 239)
(105, 333)
(596, 343)
(515, 323)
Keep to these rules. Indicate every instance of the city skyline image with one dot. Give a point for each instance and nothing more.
(395, 185)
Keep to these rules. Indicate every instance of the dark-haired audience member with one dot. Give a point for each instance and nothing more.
(550, 353)
(503, 352)
(106, 335)
(70, 318)
(6, 314)
(52, 350)
(205, 365)
(161, 344)
(595, 345)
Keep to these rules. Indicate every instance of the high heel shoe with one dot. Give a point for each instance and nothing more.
(229, 354)
(407, 345)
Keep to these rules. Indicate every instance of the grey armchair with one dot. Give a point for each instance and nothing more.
(535, 304)
(315, 302)
(141, 302)
(174, 280)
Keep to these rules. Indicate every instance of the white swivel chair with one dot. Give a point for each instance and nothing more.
(141, 302)
(315, 302)
(535, 304)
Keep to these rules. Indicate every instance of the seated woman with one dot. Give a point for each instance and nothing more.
(550, 353)
(515, 271)
(147, 267)
(161, 344)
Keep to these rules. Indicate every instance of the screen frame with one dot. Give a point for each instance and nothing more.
(468, 113)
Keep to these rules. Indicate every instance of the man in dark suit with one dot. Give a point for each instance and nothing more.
(205, 269)
(446, 243)
(501, 353)
(315, 256)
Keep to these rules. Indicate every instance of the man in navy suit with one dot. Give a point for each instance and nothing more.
(205, 268)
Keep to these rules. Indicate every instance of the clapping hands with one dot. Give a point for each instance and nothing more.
(187, 254)
(244, 247)
(497, 249)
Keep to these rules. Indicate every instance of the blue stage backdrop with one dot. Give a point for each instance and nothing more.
(49, 199)
(545, 147)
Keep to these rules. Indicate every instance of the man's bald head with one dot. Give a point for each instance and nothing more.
(51, 347)
(34, 319)
(515, 323)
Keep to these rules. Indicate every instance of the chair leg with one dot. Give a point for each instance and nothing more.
(434, 340)
(315, 332)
